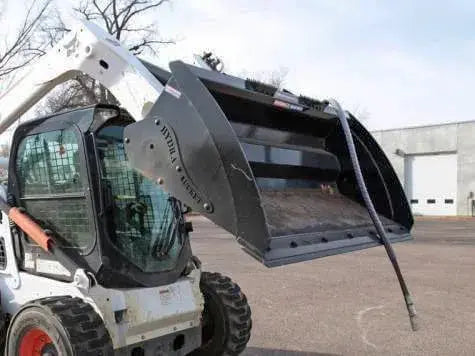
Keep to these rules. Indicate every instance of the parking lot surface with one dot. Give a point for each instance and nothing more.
(351, 304)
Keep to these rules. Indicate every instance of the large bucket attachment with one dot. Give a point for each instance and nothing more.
(271, 168)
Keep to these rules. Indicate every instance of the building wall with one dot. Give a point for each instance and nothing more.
(451, 138)
(466, 166)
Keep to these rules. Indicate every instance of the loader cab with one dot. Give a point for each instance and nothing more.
(70, 173)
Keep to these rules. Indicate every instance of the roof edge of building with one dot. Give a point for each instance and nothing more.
(424, 126)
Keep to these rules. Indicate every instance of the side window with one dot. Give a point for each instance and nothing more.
(51, 186)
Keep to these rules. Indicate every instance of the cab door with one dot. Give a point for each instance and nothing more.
(50, 182)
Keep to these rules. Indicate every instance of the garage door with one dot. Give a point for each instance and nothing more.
(431, 183)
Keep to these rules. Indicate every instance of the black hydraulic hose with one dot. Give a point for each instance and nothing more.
(374, 215)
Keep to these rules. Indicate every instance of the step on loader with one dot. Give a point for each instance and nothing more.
(95, 256)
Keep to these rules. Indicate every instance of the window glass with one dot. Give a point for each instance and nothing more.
(51, 188)
(143, 220)
(48, 163)
(68, 218)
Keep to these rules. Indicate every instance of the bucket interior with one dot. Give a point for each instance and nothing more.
(302, 170)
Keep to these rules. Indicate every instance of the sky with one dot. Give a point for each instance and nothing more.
(395, 63)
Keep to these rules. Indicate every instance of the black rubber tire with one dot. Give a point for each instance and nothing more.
(229, 328)
(71, 323)
(4, 321)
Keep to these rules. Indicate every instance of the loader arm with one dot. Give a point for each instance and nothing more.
(87, 49)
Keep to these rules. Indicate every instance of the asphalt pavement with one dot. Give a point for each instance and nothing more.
(351, 304)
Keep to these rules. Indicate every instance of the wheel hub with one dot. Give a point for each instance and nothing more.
(37, 342)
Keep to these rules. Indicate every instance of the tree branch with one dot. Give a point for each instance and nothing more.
(22, 51)
(138, 48)
(131, 14)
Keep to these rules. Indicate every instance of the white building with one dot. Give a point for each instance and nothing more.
(436, 165)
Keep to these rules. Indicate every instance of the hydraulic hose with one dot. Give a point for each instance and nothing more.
(373, 214)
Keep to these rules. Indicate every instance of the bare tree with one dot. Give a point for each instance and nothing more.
(276, 78)
(24, 45)
(361, 113)
(127, 21)
(121, 18)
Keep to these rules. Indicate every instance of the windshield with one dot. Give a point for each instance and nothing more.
(143, 221)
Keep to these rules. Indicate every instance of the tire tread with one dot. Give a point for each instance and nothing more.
(87, 332)
(237, 309)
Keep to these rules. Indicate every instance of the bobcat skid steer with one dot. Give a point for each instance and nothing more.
(95, 257)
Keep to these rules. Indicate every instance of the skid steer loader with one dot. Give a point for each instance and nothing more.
(95, 257)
